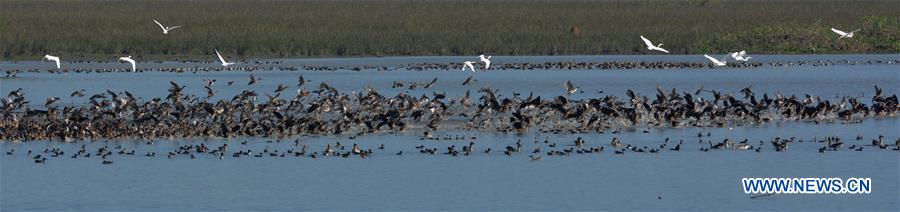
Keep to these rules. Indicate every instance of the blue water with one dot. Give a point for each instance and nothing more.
(684, 180)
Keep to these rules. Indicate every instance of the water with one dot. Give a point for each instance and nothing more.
(685, 180)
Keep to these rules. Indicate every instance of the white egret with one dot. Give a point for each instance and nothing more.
(486, 61)
(844, 34)
(129, 60)
(165, 29)
(468, 64)
(740, 56)
(716, 61)
(52, 58)
(221, 59)
(651, 47)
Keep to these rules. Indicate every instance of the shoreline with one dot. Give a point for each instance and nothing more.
(211, 57)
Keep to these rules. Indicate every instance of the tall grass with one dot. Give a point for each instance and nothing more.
(82, 28)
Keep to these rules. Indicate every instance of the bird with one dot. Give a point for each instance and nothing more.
(301, 81)
(651, 47)
(165, 29)
(52, 58)
(468, 64)
(221, 59)
(486, 61)
(469, 80)
(741, 56)
(253, 80)
(129, 60)
(844, 34)
(429, 84)
(78, 93)
(570, 89)
(715, 61)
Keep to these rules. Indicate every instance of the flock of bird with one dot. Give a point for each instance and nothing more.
(266, 65)
(536, 149)
(323, 110)
(738, 56)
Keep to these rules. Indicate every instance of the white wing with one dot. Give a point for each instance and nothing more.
(743, 53)
(57, 62)
(160, 25)
(661, 49)
(714, 60)
(647, 42)
(174, 27)
(842, 33)
(220, 57)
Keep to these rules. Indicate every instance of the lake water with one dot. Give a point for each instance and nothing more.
(689, 179)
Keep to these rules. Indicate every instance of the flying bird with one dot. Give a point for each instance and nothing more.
(301, 81)
(468, 64)
(469, 80)
(716, 61)
(844, 34)
(486, 61)
(253, 80)
(221, 59)
(570, 89)
(651, 47)
(429, 84)
(52, 58)
(129, 60)
(165, 29)
(78, 93)
(740, 56)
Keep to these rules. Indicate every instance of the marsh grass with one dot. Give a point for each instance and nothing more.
(80, 28)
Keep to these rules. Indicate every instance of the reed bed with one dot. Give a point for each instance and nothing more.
(276, 29)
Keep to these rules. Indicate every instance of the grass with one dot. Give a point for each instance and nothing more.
(91, 29)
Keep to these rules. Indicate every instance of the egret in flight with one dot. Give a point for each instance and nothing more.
(844, 34)
(740, 56)
(129, 60)
(468, 64)
(221, 59)
(52, 58)
(716, 61)
(651, 47)
(165, 29)
(486, 61)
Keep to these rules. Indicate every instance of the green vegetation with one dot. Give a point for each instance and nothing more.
(88, 29)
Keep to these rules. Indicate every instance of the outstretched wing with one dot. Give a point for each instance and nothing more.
(647, 42)
(174, 27)
(220, 56)
(160, 25)
(569, 85)
(714, 60)
(839, 32)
